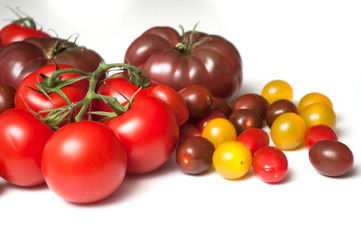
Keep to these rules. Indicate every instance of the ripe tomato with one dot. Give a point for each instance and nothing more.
(188, 130)
(19, 59)
(318, 113)
(22, 138)
(232, 159)
(199, 100)
(212, 114)
(171, 60)
(313, 97)
(276, 90)
(7, 93)
(317, 133)
(149, 132)
(254, 139)
(219, 130)
(270, 164)
(84, 162)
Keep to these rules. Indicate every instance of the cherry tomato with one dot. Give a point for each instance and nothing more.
(22, 139)
(232, 159)
(318, 113)
(288, 131)
(270, 164)
(188, 130)
(313, 97)
(149, 132)
(219, 130)
(252, 101)
(317, 133)
(331, 158)
(277, 108)
(254, 138)
(199, 100)
(7, 93)
(202, 121)
(222, 105)
(276, 90)
(243, 119)
(194, 155)
(84, 162)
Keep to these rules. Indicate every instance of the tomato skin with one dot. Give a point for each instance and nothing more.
(22, 138)
(215, 62)
(15, 33)
(7, 93)
(84, 162)
(199, 100)
(19, 59)
(276, 90)
(254, 139)
(319, 113)
(219, 130)
(212, 114)
(270, 164)
(149, 132)
(318, 133)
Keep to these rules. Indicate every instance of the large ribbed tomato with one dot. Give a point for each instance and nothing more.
(19, 59)
(193, 59)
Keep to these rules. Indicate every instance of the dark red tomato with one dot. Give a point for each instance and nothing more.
(202, 121)
(7, 93)
(22, 138)
(252, 101)
(277, 108)
(198, 98)
(317, 133)
(38, 101)
(254, 139)
(84, 162)
(243, 119)
(204, 59)
(194, 155)
(221, 104)
(331, 157)
(270, 164)
(188, 130)
(19, 59)
(149, 132)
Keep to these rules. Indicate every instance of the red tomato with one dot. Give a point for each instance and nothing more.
(270, 164)
(254, 139)
(19, 59)
(196, 59)
(149, 132)
(22, 138)
(26, 97)
(84, 162)
(317, 133)
(188, 130)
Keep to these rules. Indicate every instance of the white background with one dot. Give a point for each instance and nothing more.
(313, 45)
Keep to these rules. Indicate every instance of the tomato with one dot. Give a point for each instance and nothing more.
(254, 139)
(26, 97)
(331, 158)
(232, 160)
(251, 101)
(149, 132)
(188, 130)
(195, 59)
(194, 155)
(318, 113)
(317, 133)
(22, 138)
(199, 100)
(19, 59)
(270, 164)
(202, 121)
(243, 119)
(276, 90)
(7, 93)
(313, 97)
(288, 131)
(219, 130)
(277, 108)
(222, 105)
(84, 162)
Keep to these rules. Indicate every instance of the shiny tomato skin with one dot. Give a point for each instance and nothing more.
(254, 139)
(212, 114)
(15, 33)
(7, 93)
(26, 97)
(215, 62)
(188, 130)
(84, 162)
(318, 133)
(149, 132)
(199, 100)
(22, 138)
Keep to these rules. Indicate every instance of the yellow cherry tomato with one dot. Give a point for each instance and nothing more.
(276, 90)
(219, 130)
(288, 131)
(313, 97)
(232, 159)
(318, 113)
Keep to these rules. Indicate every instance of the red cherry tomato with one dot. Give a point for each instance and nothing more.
(188, 130)
(270, 164)
(254, 139)
(317, 133)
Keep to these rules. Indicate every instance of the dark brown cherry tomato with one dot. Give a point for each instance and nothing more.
(245, 118)
(252, 101)
(202, 121)
(7, 94)
(277, 108)
(199, 100)
(221, 104)
(188, 130)
(194, 155)
(331, 158)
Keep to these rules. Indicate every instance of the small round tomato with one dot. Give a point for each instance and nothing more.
(211, 114)
(84, 162)
(199, 100)
(232, 159)
(222, 105)
(252, 101)
(7, 93)
(188, 130)
(319, 113)
(317, 133)
(277, 108)
(313, 97)
(331, 158)
(270, 164)
(219, 130)
(194, 155)
(288, 131)
(243, 119)
(254, 138)
(276, 90)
